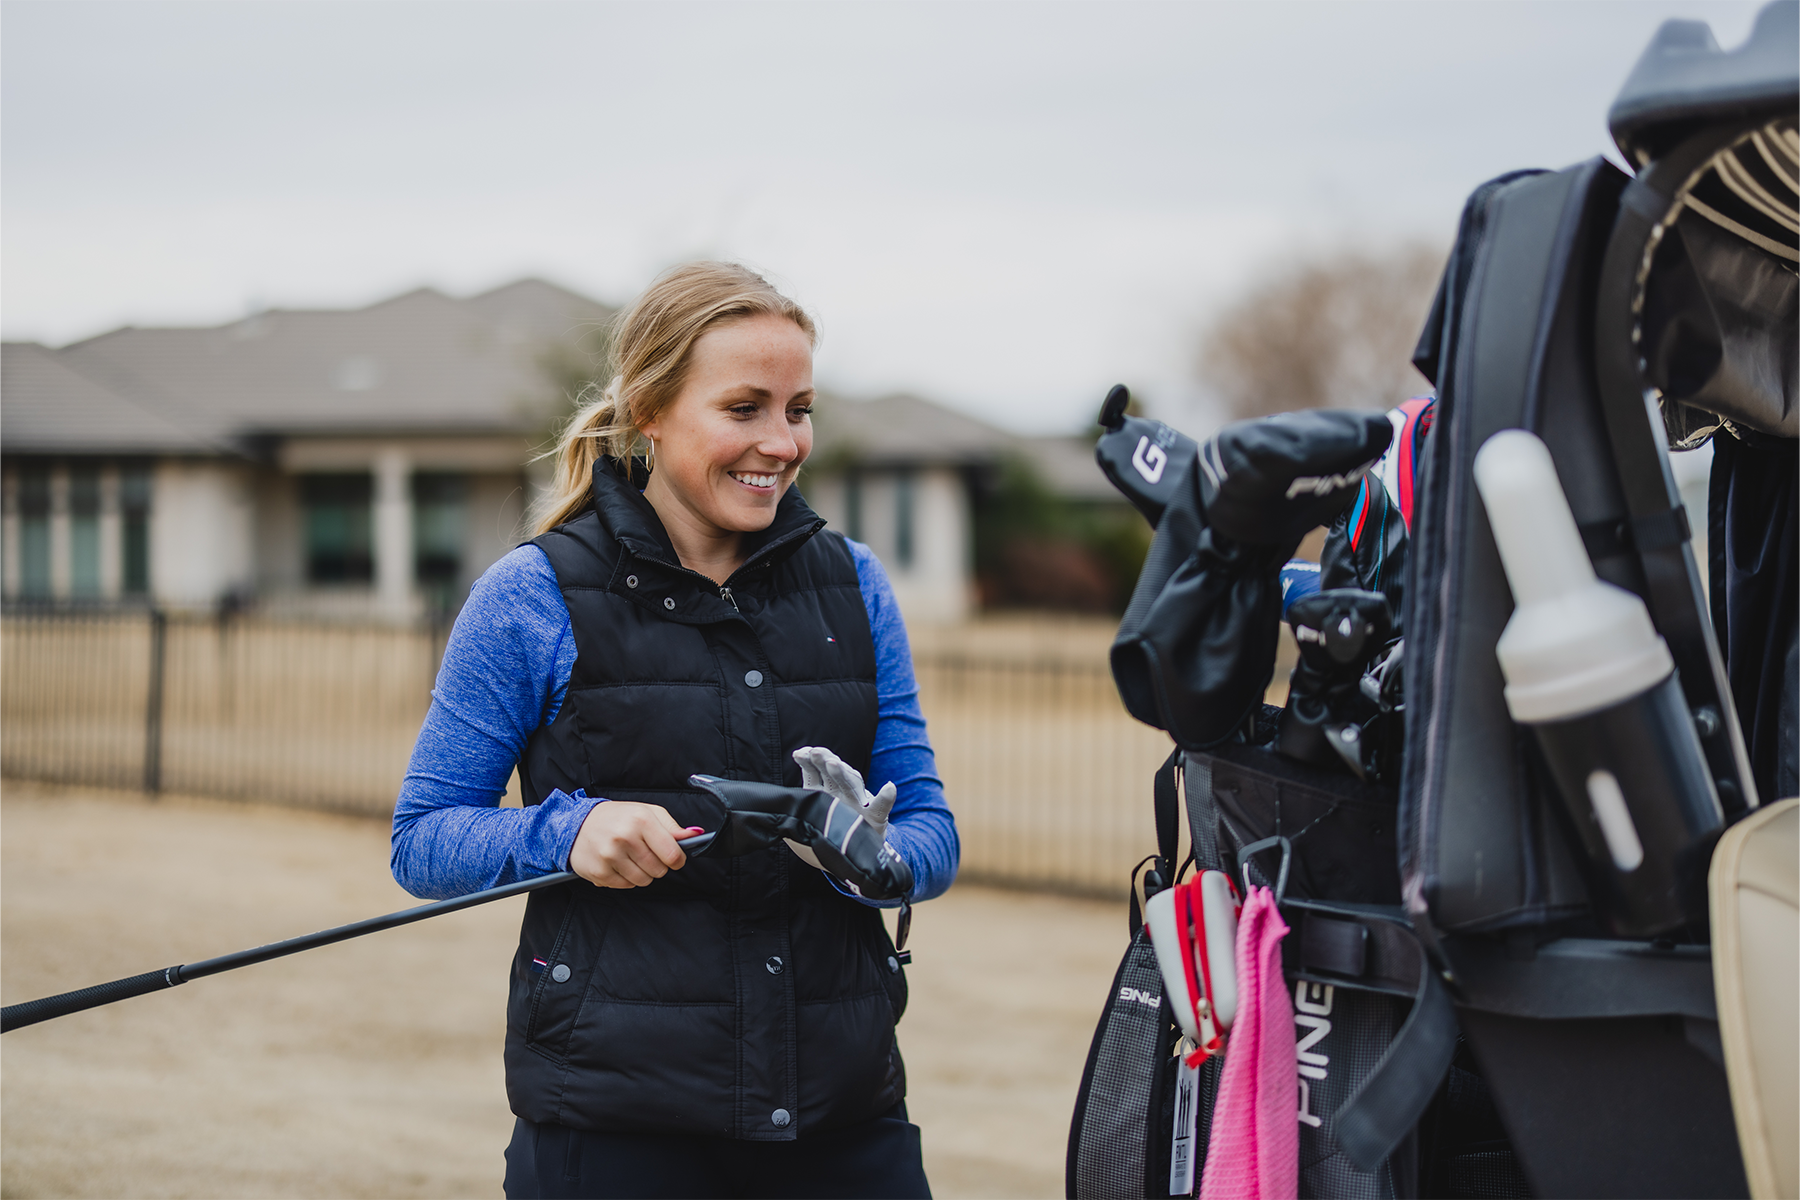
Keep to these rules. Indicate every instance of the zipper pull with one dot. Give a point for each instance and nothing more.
(725, 595)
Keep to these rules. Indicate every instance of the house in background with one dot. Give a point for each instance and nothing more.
(902, 475)
(357, 464)
(371, 463)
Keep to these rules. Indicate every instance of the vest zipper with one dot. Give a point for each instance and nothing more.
(725, 595)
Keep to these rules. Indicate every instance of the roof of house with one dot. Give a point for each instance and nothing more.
(1067, 467)
(49, 405)
(902, 430)
(419, 361)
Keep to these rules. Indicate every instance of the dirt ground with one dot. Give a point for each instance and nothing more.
(372, 1068)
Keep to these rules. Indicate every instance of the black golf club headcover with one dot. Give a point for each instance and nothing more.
(1197, 645)
(764, 814)
(1340, 631)
(1268, 481)
(1146, 460)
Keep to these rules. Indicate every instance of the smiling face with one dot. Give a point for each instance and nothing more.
(731, 442)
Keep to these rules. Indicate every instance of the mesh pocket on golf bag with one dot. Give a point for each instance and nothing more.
(1340, 1035)
(1111, 1139)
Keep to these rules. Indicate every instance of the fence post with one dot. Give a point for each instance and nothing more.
(153, 707)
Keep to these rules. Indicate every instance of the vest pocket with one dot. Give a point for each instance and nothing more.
(849, 1061)
(889, 970)
(555, 977)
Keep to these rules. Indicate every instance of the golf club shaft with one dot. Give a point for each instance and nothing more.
(30, 1012)
(17, 1016)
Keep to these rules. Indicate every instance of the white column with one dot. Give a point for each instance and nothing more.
(112, 547)
(938, 588)
(59, 532)
(200, 532)
(393, 534)
(946, 539)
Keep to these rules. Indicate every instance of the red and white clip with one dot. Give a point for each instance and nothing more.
(1193, 929)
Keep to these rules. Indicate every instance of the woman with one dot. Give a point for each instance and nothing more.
(720, 1026)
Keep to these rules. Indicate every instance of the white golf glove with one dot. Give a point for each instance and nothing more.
(825, 771)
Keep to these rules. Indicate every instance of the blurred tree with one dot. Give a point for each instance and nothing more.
(569, 365)
(1037, 549)
(1336, 332)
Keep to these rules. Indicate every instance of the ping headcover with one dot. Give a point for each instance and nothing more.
(1268, 481)
(1193, 929)
(764, 814)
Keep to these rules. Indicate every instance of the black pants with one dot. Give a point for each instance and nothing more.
(876, 1160)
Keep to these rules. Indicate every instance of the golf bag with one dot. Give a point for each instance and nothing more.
(1503, 1015)
(1121, 1139)
(1391, 1105)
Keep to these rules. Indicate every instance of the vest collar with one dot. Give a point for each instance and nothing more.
(625, 515)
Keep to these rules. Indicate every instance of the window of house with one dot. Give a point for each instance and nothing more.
(84, 532)
(339, 528)
(134, 530)
(903, 518)
(853, 505)
(34, 533)
(440, 523)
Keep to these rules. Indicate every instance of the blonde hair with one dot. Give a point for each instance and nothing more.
(652, 344)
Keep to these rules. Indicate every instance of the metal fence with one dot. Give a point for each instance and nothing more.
(316, 715)
(1048, 776)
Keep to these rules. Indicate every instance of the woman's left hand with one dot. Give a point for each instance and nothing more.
(820, 768)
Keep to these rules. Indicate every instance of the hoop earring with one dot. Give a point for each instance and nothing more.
(650, 461)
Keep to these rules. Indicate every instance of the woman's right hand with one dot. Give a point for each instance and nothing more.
(624, 844)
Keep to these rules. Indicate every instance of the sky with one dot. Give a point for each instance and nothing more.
(1005, 207)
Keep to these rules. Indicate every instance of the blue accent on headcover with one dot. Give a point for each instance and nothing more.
(1299, 579)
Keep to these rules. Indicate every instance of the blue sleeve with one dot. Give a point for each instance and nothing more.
(506, 666)
(920, 827)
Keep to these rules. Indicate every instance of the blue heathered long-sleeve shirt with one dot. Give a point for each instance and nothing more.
(506, 667)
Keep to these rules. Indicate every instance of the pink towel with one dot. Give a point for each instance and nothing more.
(1254, 1153)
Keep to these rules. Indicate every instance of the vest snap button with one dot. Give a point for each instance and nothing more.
(560, 972)
(893, 965)
(669, 603)
(631, 581)
(774, 964)
(780, 1118)
(753, 678)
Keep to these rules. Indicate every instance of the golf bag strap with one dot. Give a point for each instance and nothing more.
(1366, 947)
(1656, 531)
(1203, 815)
(1374, 949)
(1168, 840)
(1168, 813)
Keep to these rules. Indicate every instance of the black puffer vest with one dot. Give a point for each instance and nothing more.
(737, 997)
